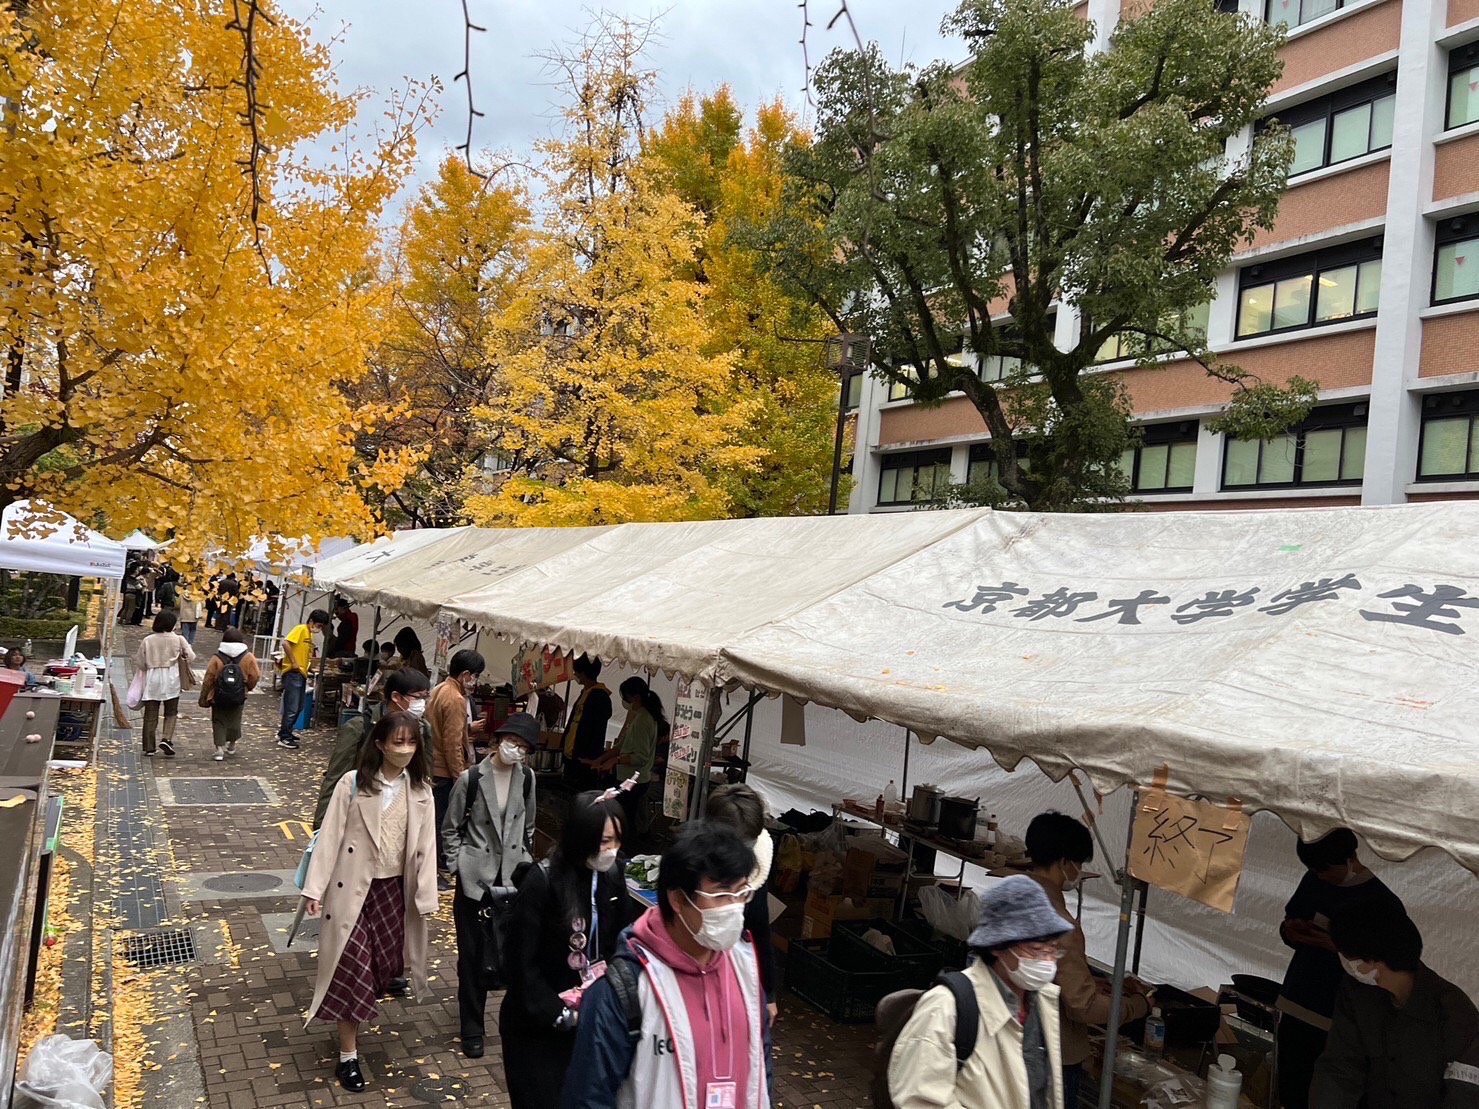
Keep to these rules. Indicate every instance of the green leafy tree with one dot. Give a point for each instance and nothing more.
(1038, 173)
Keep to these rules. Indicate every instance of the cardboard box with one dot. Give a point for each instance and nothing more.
(821, 912)
(873, 868)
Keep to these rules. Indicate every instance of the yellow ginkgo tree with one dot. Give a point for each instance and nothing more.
(613, 401)
(172, 362)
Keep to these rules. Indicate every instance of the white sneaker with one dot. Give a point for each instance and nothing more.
(220, 755)
(231, 747)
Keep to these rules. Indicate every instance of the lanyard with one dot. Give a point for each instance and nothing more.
(594, 947)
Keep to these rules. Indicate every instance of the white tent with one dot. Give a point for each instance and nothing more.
(47, 541)
(136, 540)
(293, 556)
(346, 566)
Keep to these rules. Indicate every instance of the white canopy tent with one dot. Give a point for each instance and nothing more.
(136, 540)
(346, 566)
(47, 541)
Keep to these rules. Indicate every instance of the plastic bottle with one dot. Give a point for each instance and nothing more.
(1224, 1083)
(28, 646)
(991, 830)
(878, 810)
(890, 795)
(1155, 1033)
(89, 676)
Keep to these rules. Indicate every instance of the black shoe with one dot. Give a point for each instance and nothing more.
(472, 1047)
(350, 1076)
(288, 744)
(166, 748)
(398, 987)
(444, 883)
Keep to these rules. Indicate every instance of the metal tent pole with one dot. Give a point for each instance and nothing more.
(1121, 953)
(904, 785)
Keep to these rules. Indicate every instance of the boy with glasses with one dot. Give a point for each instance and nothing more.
(1017, 1062)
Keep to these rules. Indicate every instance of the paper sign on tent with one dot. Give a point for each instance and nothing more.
(1193, 848)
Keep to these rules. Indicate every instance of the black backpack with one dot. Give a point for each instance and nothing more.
(893, 1013)
(231, 685)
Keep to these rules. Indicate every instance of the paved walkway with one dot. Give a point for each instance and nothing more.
(207, 849)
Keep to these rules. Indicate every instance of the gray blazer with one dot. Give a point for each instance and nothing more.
(494, 844)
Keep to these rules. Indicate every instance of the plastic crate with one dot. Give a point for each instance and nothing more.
(953, 952)
(913, 957)
(847, 996)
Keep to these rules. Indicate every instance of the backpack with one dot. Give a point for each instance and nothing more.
(893, 1013)
(231, 685)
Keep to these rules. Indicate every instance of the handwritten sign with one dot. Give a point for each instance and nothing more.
(539, 668)
(443, 647)
(683, 748)
(675, 795)
(1194, 848)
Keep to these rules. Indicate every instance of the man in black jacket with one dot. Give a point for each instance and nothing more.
(1402, 1037)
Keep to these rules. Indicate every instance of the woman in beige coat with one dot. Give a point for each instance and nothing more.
(159, 657)
(373, 877)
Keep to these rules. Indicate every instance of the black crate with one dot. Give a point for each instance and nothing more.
(847, 996)
(918, 960)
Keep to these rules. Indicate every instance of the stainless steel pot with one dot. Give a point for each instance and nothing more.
(958, 817)
(924, 805)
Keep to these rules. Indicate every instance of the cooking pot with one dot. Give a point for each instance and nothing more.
(924, 805)
(958, 817)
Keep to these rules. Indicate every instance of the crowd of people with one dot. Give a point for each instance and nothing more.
(607, 1005)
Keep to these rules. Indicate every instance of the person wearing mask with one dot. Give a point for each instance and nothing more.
(189, 616)
(15, 659)
(1016, 1063)
(738, 806)
(159, 656)
(381, 666)
(1335, 880)
(1401, 1037)
(408, 646)
(230, 675)
(449, 712)
(346, 634)
(297, 656)
(567, 919)
(635, 748)
(693, 979)
(1060, 848)
(373, 877)
(488, 834)
(405, 691)
(585, 734)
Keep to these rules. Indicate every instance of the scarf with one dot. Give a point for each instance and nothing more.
(764, 856)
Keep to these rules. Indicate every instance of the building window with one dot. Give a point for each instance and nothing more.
(1456, 260)
(997, 367)
(903, 390)
(1463, 85)
(1165, 461)
(914, 477)
(1329, 448)
(1327, 286)
(1295, 13)
(1130, 345)
(1449, 447)
(982, 467)
(1341, 126)
(852, 391)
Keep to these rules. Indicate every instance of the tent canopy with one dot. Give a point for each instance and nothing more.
(136, 540)
(47, 541)
(294, 555)
(348, 565)
(1315, 663)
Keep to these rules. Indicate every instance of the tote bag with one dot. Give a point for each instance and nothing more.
(135, 696)
(301, 874)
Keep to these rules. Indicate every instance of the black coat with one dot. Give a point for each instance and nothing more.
(539, 946)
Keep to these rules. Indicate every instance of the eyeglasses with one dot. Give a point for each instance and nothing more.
(1038, 949)
(738, 897)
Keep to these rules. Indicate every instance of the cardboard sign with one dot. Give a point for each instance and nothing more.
(675, 794)
(688, 726)
(538, 668)
(1194, 848)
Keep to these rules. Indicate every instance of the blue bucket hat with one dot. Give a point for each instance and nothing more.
(1016, 910)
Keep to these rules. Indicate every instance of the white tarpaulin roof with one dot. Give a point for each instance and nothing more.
(136, 540)
(673, 596)
(1318, 663)
(51, 542)
(294, 555)
(348, 565)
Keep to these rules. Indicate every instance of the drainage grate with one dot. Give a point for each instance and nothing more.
(242, 883)
(162, 948)
(214, 791)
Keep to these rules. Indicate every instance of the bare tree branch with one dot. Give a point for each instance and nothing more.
(253, 113)
(468, 27)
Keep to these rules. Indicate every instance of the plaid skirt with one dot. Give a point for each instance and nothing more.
(374, 954)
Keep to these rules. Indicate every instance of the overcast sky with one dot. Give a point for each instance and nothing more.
(749, 44)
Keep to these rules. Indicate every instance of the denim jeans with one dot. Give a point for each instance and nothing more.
(294, 685)
(187, 630)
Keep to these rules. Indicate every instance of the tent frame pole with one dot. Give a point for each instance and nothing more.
(1121, 954)
(700, 791)
(904, 786)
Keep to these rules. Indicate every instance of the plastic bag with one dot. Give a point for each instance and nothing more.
(1181, 1092)
(874, 938)
(62, 1073)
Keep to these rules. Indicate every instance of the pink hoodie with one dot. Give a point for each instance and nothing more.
(719, 1044)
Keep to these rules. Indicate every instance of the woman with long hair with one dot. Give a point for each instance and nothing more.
(159, 657)
(635, 748)
(408, 644)
(566, 919)
(373, 876)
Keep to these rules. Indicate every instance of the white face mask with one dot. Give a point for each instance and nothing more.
(513, 754)
(721, 927)
(602, 861)
(1033, 974)
(417, 708)
(1072, 884)
(1365, 977)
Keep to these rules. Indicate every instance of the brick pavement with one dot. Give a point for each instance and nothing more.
(245, 1000)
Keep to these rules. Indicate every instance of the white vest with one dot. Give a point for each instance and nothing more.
(663, 1065)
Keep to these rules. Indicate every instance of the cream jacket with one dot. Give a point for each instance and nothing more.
(921, 1070)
